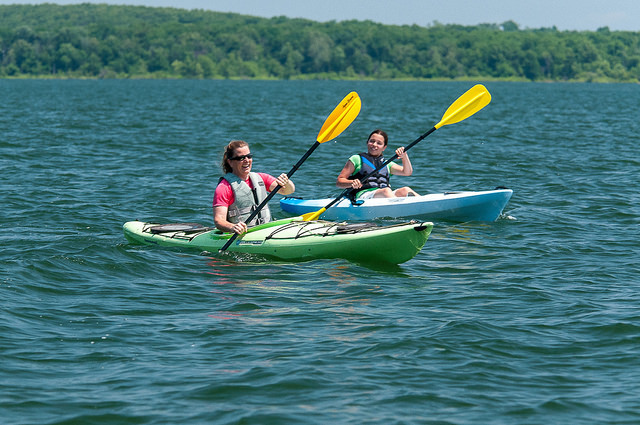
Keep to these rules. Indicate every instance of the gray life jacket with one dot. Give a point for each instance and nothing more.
(247, 199)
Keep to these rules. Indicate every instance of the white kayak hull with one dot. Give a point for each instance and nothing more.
(451, 206)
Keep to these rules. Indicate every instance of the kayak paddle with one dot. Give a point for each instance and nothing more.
(474, 99)
(341, 117)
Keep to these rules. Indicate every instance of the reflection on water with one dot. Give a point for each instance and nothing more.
(248, 292)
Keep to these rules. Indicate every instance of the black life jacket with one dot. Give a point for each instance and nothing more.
(378, 179)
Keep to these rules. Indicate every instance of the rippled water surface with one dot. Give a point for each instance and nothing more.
(533, 319)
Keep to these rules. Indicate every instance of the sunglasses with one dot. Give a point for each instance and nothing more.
(240, 158)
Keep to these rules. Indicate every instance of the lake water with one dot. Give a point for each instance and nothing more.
(532, 319)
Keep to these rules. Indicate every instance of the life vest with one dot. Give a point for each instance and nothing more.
(247, 199)
(377, 180)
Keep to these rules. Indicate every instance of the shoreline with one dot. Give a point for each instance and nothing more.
(316, 78)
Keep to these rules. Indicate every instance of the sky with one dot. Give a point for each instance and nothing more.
(579, 15)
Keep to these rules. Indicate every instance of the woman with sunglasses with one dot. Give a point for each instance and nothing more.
(240, 190)
(376, 185)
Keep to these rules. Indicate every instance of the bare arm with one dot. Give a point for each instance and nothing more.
(286, 186)
(344, 181)
(221, 222)
(405, 169)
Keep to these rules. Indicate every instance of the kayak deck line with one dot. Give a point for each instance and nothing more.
(188, 231)
(173, 230)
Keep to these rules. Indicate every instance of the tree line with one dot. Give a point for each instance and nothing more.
(103, 41)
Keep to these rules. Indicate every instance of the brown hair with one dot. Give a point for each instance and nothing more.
(380, 132)
(229, 153)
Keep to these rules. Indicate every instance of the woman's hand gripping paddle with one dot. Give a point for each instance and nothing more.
(341, 117)
(476, 98)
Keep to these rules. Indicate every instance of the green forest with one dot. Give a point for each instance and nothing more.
(103, 41)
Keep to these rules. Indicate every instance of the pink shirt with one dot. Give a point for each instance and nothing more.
(224, 197)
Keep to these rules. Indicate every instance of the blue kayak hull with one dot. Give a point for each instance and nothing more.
(451, 206)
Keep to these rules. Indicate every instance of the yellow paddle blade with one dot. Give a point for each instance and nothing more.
(476, 98)
(343, 115)
(313, 215)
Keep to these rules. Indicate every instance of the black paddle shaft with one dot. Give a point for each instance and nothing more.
(272, 194)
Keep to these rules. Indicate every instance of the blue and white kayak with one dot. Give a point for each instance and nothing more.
(453, 206)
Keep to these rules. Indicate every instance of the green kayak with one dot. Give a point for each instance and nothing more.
(293, 239)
